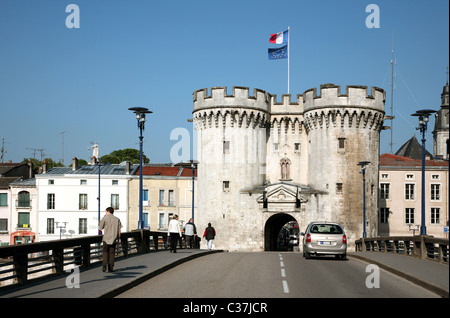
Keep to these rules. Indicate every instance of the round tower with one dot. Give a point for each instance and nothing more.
(231, 150)
(343, 130)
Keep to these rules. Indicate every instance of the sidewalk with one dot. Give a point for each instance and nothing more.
(93, 283)
(426, 273)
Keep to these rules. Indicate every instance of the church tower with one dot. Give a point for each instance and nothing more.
(441, 126)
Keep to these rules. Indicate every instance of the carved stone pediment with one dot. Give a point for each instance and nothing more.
(281, 197)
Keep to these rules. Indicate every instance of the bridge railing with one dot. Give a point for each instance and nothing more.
(421, 246)
(25, 263)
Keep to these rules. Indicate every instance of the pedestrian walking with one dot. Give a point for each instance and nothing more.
(190, 232)
(209, 234)
(111, 236)
(174, 233)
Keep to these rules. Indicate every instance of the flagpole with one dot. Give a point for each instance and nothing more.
(289, 56)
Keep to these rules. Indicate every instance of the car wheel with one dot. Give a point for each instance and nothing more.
(306, 255)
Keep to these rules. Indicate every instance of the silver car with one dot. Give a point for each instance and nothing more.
(324, 238)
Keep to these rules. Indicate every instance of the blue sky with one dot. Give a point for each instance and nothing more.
(155, 54)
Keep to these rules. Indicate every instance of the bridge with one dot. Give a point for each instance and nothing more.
(71, 268)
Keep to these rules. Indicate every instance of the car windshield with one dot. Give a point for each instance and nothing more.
(326, 229)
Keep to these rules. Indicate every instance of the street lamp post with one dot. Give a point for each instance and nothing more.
(99, 164)
(423, 120)
(363, 165)
(192, 164)
(140, 116)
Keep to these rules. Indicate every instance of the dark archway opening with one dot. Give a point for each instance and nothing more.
(277, 230)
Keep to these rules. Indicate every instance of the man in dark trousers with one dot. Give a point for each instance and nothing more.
(111, 226)
(209, 234)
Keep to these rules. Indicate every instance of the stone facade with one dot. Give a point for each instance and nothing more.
(263, 163)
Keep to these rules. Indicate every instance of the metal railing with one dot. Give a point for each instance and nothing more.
(26, 263)
(421, 246)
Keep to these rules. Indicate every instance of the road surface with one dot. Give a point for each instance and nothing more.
(275, 275)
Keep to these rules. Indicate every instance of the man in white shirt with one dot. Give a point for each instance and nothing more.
(174, 233)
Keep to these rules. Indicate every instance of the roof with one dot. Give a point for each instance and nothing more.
(166, 171)
(6, 181)
(108, 169)
(24, 183)
(412, 149)
(390, 160)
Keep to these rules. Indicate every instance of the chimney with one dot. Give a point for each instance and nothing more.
(44, 167)
(74, 163)
(30, 169)
(128, 167)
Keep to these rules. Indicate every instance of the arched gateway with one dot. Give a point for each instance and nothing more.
(272, 230)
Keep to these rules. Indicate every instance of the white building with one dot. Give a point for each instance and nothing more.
(68, 203)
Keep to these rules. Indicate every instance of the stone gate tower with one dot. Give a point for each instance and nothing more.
(263, 163)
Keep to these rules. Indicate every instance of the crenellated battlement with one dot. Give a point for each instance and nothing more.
(240, 98)
(311, 108)
(286, 106)
(355, 96)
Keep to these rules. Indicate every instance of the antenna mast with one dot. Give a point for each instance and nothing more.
(3, 151)
(392, 92)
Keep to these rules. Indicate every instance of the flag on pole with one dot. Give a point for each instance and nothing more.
(279, 53)
(279, 38)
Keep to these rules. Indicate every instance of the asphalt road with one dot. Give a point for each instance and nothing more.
(275, 275)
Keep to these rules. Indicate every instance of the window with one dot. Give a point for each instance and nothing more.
(409, 191)
(51, 181)
(3, 225)
(115, 201)
(145, 219)
(24, 220)
(161, 197)
(339, 187)
(435, 192)
(341, 142)
(171, 198)
(409, 215)
(82, 226)
(435, 215)
(50, 201)
(410, 176)
(145, 199)
(226, 147)
(51, 226)
(384, 215)
(3, 199)
(226, 186)
(83, 182)
(297, 147)
(82, 201)
(115, 182)
(435, 177)
(384, 176)
(24, 199)
(384, 191)
(275, 146)
(161, 224)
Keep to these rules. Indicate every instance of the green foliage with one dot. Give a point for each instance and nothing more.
(118, 156)
(38, 163)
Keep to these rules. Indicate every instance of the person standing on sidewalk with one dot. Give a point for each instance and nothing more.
(174, 232)
(209, 234)
(190, 232)
(111, 236)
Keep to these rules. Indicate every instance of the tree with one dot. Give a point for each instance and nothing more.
(38, 163)
(118, 156)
